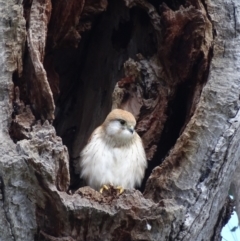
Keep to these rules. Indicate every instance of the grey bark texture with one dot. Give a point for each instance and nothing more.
(185, 195)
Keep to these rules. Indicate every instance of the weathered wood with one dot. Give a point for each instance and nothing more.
(14, 205)
(196, 52)
(207, 152)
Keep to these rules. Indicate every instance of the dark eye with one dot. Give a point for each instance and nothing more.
(122, 122)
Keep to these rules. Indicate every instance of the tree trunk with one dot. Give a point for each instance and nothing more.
(64, 65)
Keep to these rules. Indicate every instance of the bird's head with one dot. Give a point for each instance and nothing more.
(119, 126)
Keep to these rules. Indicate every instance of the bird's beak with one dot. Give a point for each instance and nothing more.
(131, 129)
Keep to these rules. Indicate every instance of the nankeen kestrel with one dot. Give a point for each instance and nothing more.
(114, 154)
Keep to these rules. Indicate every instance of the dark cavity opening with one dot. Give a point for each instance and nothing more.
(88, 74)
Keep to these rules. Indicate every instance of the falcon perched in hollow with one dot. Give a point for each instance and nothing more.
(114, 154)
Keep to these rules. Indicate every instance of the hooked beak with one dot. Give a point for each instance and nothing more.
(131, 129)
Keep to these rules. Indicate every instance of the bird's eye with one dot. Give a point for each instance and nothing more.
(122, 122)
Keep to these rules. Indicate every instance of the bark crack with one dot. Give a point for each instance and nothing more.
(4, 209)
(234, 19)
(183, 238)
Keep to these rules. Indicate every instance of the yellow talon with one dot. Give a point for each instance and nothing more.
(104, 187)
(120, 189)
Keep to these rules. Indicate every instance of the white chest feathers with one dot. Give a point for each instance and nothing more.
(113, 156)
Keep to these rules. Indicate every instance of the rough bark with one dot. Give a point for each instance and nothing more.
(174, 65)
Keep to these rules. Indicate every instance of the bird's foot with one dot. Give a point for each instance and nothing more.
(110, 190)
(119, 189)
(104, 188)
